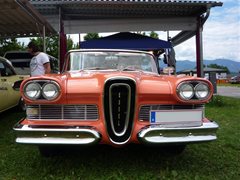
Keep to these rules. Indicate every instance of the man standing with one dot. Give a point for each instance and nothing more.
(40, 63)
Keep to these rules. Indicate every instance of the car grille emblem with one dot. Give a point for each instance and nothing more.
(119, 101)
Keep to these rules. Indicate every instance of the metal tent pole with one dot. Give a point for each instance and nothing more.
(62, 41)
(44, 39)
(199, 48)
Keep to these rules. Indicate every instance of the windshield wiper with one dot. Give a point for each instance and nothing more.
(131, 68)
(128, 69)
(95, 68)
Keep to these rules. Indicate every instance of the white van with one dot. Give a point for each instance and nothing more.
(21, 62)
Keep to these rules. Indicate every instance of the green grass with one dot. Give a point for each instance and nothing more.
(215, 160)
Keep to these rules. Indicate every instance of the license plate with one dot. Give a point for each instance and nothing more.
(176, 117)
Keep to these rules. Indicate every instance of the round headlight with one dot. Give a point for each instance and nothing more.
(50, 91)
(185, 91)
(32, 90)
(202, 91)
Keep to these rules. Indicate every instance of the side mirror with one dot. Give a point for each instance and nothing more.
(16, 85)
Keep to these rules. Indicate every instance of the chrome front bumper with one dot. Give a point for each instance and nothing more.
(56, 135)
(156, 134)
(153, 134)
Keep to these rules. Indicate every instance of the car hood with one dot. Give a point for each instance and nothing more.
(88, 86)
(90, 82)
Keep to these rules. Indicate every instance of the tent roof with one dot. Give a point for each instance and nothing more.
(19, 18)
(86, 16)
(126, 40)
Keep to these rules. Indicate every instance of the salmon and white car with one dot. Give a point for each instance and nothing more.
(114, 97)
(9, 86)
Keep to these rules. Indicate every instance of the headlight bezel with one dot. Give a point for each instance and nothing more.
(195, 85)
(55, 95)
(41, 84)
(179, 92)
(25, 90)
(196, 92)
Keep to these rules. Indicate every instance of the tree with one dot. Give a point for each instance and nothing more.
(154, 35)
(10, 44)
(219, 67)
(90, 36)
(52, 46)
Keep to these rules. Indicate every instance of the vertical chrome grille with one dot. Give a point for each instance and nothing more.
(62, 112)
(119, 107)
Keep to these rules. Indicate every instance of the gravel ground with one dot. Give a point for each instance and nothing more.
(228, 91)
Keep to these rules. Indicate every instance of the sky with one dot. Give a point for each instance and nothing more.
(221, 35)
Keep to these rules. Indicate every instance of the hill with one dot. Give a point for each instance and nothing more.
(233, 66)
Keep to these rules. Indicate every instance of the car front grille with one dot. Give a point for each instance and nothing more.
(119, 108)
(144, 113)
(62, 112)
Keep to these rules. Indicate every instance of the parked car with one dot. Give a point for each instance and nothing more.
(9, 86)
(235, 80)
(114, 97)
(21, 61)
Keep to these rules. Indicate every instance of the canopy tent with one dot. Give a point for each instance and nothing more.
(86, 16)
(126, 40)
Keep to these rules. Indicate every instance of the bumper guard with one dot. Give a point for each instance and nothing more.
(56, 135)
(157, 134)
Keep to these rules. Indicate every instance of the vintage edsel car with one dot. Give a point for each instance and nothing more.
(114, 97)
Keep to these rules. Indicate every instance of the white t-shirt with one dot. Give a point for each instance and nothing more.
(36, 64)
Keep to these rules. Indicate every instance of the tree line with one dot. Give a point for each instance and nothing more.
(11, 44)
(52, 45)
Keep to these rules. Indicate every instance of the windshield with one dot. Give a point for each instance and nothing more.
(105, 60)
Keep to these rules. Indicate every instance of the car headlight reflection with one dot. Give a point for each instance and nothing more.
(185, 91)
(201, 91)
(41, 90)
(32, 91)
(193, 90)
(50, 91)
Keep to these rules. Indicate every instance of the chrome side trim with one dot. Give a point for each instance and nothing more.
(57, 135)
(156, 134)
